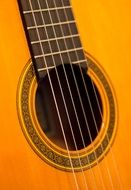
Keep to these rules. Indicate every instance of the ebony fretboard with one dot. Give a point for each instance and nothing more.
(52, 34)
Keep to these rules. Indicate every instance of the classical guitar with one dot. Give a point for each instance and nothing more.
(65, 117)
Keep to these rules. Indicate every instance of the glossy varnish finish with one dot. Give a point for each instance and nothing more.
(105, 32)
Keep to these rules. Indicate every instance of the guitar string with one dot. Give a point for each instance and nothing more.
(77, 89)
(95, 119)
(73, 104)
(96, 124)
(92, 108)
(82, 105)
(111, 150)
(66, 144)
(63, 95)
(97, 132)
(84, 145)
(89, 132)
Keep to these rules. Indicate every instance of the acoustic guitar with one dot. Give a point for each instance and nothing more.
(65, 95)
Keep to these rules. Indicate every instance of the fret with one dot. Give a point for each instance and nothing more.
(46, 68)
(68, 43)
(29, 20)
(76, 41)
(51, 35)
(73, 28)
(51, 60)
(57, 29)
(56, 45)
(54, 24)
(80, 61)
(69, 14)
(50, 3)
(42, 33)
(25, 4)
(34, 4)
(38, 18)
(80, 54)
(55, 53)
(46, 16)
(50, 32)
(49, 17)
(40, 62)
(36, 48)
(48, 9)
(65, 2)
(34, 36)
(45, 47)
(73, 56)
(44, 4)
(58, 38)
(62, 16)
(52, 67)
(53, 17)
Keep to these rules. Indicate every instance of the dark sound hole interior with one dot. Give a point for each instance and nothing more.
(85, 126)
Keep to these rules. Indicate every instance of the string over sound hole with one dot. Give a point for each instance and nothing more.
(79, 104)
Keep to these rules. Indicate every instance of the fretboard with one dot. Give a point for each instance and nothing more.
(52, 34)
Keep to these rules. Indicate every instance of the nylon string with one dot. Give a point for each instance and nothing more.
(82, 108)
(74, 110)
(63, 95)
(70, 94)
(87, 124)
(79, 98)
(62, 128)
(111, 150)
(95, 119)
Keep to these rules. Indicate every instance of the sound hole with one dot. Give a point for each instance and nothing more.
(80, 119)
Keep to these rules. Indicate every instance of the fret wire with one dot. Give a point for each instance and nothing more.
(52, 67)
(54, 24)
(44, 10)
(75, 62)
(58, 38)
(79, 61)
(44, 69)
(63, 131)
(59, 52)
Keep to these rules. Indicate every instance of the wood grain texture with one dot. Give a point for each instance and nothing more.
(105, 32)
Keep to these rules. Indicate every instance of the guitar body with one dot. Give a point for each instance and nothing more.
(105, 33)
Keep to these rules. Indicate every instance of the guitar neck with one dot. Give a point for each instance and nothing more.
(52, 34)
